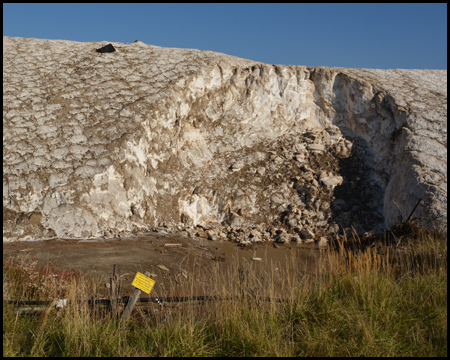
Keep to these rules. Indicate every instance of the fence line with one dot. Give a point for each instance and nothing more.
(125, 299)
(130, 301)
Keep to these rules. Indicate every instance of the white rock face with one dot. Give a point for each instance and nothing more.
(97, 144)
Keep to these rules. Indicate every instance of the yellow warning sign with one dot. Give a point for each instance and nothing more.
(143, 282)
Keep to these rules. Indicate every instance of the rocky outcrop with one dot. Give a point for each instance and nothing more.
(103, 143)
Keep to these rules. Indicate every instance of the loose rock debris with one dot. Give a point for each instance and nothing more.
(162, 267)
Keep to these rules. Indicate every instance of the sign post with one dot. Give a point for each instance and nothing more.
(141, 282)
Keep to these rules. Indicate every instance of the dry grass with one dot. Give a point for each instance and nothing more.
(378, 300)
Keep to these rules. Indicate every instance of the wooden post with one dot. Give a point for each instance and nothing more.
(114, 294)
(242, 281)
(132, 302)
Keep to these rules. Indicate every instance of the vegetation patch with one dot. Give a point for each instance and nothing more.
(366, 298)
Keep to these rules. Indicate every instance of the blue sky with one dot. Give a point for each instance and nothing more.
(384, 36)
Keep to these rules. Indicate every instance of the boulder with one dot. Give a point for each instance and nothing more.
(107, 49)
(212, 235)
(307, 235)
(322, 242)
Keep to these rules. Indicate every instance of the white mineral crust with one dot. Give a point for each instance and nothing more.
(97, 144)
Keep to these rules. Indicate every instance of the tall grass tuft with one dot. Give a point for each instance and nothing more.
(379, 300)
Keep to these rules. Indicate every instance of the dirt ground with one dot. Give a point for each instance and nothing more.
(170, 259)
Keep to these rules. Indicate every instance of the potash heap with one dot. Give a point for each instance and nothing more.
(135, 138)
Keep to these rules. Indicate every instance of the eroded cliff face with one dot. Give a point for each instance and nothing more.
(101, 144)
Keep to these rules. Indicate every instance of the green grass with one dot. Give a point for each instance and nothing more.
(376, 301)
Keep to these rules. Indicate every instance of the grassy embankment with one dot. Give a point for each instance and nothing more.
(380, 301)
